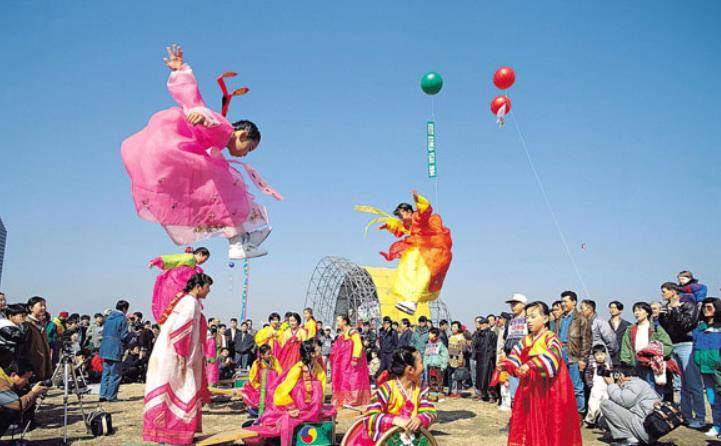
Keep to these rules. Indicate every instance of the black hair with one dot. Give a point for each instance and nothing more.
(571, 295)
(225, 348)
(460, 326)
(233, 319)
(15, 309)
(309, 310)
(345, 318)
(555, 303)
(272, 316)
(307, 348)
(402, 358)
(156, 326)
(263, 349)
(590, 303)
(422, 319)
(198, 279)
(599, 348)
(670, 286)
(644, 306)
(387, 319)
(717, 310)
(202, 251)
(138, 314)
(122, 305)
(222, 325)
(17, 367)
(434, 331)
(248, 126)
(443, 321)
(75, 316)
(287, 314)
(394, 323)
(402, 207)
(85, 317)
(542, 307)
(213, 329)
(406, 322)
(618, 304)
(34, 300)
(295, 316)
(491, 316)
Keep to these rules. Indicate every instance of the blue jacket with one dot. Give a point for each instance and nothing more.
(115, 334)
(693, 291)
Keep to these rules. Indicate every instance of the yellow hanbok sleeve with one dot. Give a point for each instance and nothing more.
(320, 375)
(282, 395)
(276, 366)
(310, 328)
(264, 336)
(175, 260)
(253, 374)
(422, 204)
(357, 345)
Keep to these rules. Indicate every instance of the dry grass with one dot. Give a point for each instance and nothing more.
(461, 422)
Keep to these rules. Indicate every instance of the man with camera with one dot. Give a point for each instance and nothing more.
(115, 334)
(14, 377)
(630, 401)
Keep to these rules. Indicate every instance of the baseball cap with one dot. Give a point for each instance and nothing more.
(518, 297)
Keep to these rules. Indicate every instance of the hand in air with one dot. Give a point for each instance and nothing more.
(196, 118)
(174, 61)
(415, 194)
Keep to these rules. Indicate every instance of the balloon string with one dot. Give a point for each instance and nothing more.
(548, 204)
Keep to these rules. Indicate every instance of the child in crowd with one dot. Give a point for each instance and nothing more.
(374, 366)
(594, 376)
(435, 359)
(457, 347)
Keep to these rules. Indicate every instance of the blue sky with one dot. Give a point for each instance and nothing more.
(617, 102)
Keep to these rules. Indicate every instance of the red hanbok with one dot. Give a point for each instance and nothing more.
(544, 409)
(289, 352)
(349, 371)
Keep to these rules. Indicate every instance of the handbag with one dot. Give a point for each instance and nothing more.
(664, 418)
(100, 422)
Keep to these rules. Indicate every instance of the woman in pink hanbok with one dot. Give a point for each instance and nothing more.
(297, 399)
(263, 375)
(289, 353)
(177, 270)
(211, 357)
(181, 180)
(349, 367)
(176, 386)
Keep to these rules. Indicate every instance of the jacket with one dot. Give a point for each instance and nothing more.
(635, 395)
(602, 333)
(707, 350)
(406, 338)
(483, 345)
(680, 321)
(243, 342)
(388, 340)
(11, 336)
(693, 291)
(421, 338)
(115, 334)
(628, 348)
(620, 331)
(435, 355)
(36, 350)
(593, 367)
(95, 336)
(580, 337)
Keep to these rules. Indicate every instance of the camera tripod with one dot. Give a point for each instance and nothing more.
(68, 373)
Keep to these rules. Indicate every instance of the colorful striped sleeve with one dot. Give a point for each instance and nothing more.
(547, 363)
(377, 420)
(427, 412)
(513, 361)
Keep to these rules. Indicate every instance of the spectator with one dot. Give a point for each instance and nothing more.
(629, 402)
(115, 334)
(556, 313)
(250, 327)
(388, 340)
(146, 338)
(221, 337)
(516, 330)
(458, 369)
(406, 337)
(679, 319)
(134, 366)
(575, 333)
(11, 333)
(244, 344)
(370, 340)
(326, 342)
(706, 348)
(655, 312)
(309, 323)
(227, 365)
(601, 332)
(233, 333)
(638, 336)
(83, 328)
(598, 367)
(421, 334)
(483, 349)
(690, 288)
(3, 305)
(443, 327)
(619, 326)
(95, 332)
(374, 366)
(35, 348)
(14, 378)
(435, 361)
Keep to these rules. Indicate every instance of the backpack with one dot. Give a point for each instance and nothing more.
(665, 417)
(100, 423)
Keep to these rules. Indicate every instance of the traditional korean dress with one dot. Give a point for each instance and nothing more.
(544, 408)
(180, 179)
(300, 387)
(262, 376)
(211, 359)
(177, 270)
(266, 336)
(390, 401)
(289, 352)
(349, 370)
(176, 386)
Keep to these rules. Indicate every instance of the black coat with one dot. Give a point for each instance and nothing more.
(388, 340)
(483, 350)
(679, 322)
(620, 331)
(243, 342)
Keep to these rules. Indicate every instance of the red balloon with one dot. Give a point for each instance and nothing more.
(504, 77)
(498, 102)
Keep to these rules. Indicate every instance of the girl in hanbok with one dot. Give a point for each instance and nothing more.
(176, 386)
(290, 339)
(181, 180)
(544, 408)
(349, 367)
(211, 357)
(177, 270)
(297, 399)
(263, 375)
(401, 401)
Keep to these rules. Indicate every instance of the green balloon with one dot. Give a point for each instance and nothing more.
(431, 83)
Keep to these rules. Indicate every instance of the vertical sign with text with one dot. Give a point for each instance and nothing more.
(431, 148)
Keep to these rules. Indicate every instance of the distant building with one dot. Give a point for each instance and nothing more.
(3, 238)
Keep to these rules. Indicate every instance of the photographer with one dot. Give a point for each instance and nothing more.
(630, 400)
(115, 334)
(13, 378)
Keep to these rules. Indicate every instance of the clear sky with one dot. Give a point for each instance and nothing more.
(618, 102)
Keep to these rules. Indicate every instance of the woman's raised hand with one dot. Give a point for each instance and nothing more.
(174, 61)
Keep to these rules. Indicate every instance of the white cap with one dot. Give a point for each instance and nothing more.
(518, 297)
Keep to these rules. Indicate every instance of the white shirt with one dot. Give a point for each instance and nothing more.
(642, 336)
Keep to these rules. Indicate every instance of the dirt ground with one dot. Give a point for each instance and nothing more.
(461, 422)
